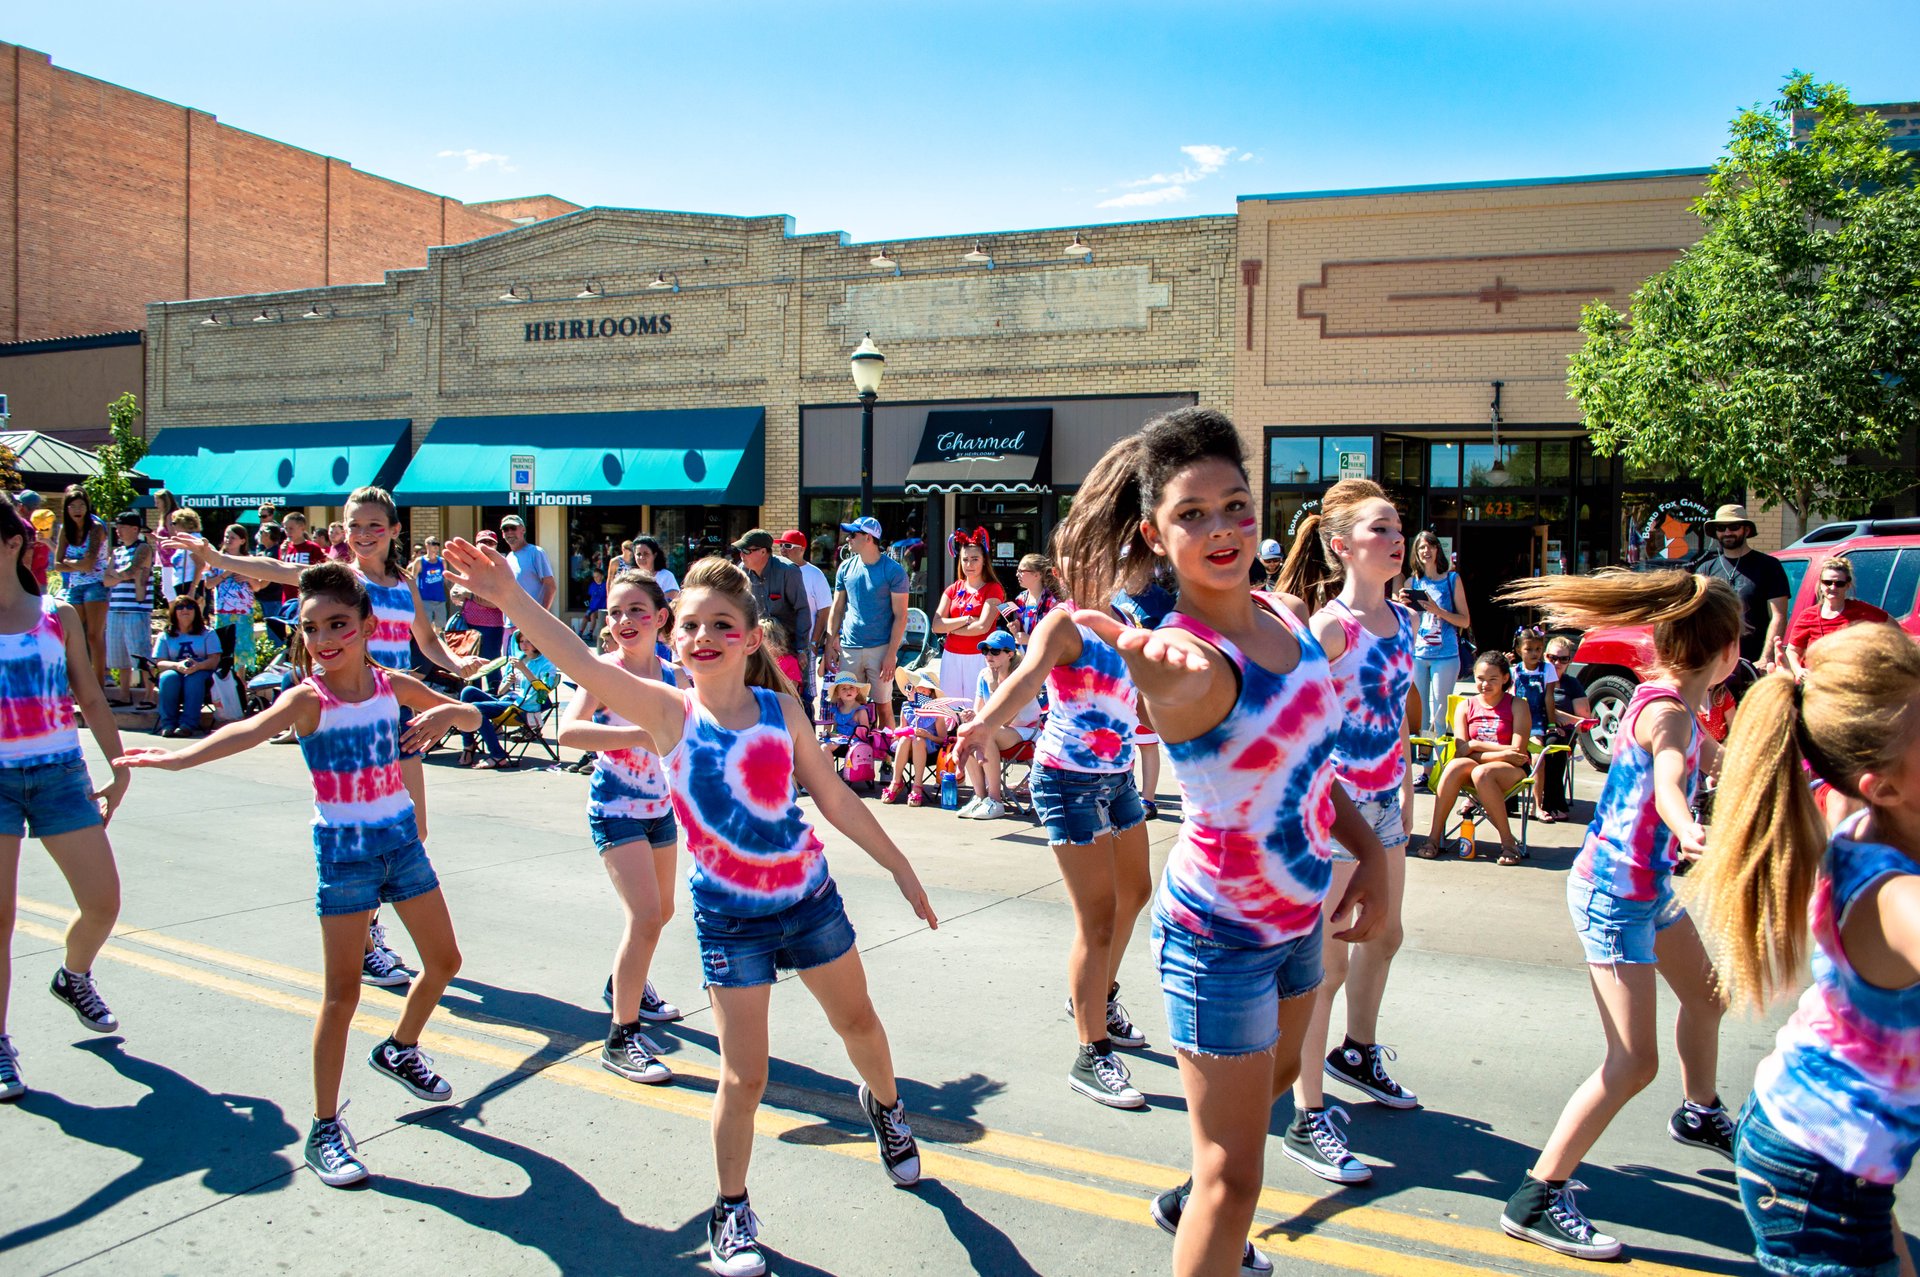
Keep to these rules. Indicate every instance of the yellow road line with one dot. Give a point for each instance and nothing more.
(566, 1067)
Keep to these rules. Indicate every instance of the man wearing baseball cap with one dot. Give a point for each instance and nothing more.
(792, 546)
(1757, 578)
(869, 612)
(1271, 558)
(782, 593)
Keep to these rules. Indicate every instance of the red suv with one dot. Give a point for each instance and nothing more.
(1885, 554)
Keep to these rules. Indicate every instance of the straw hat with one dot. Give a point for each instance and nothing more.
(848, 680)
(1729, 516)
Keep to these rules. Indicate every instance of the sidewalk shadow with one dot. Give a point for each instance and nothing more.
(235, 1143)
(1450, 1153)
(988, 1249)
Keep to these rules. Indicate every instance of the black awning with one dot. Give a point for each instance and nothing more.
(996, 450)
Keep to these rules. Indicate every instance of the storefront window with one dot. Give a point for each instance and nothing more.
(1331, 446)
(1286, 510)
(1443, 463)
(690, 533)
(1293, 459)
(1658, 525)
(1556, 462)
(594, 534)
(902, 524)
(1479, 459)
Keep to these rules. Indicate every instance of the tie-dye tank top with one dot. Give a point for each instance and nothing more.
(360, 804)
(392, 641)
(1251, 863)
(1372, 677)
(1090, 712)
(628, 784)
(1844, 1077)
(36, 700)
(1628, 852)
(752, 849)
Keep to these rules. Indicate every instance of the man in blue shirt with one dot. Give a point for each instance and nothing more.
(869, 613)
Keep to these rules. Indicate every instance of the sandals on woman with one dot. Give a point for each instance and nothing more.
(1510, 854)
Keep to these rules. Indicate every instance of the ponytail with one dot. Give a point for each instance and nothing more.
(1854, 714)
(1694, 618)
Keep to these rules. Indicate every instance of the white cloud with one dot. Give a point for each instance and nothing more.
(479, 159)
(1142, 199)
(1204, 160)
(1245, 156)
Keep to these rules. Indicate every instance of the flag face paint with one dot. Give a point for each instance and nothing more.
(734, 638)
(1248, 525)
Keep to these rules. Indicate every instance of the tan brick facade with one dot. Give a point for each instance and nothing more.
(763, 318)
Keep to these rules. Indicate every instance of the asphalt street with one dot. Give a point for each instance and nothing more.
(175, 1146)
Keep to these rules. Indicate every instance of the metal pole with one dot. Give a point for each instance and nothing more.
(866, 454)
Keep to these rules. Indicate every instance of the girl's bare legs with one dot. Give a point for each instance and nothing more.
(9, 912)
(1682, 961)
(1229, 1103)
(1088, 874)
(1309, 1091)
(431, 928)
(342, 937)
(1132, 888)
(1149, 771)
(665, 861)
(85, 859)
(93, 619)
(1626, 998)
(635, 880)
(740, 1022)
(1491, 781)
(990, 750)
(840, 987)
(1369, 963)
(1452, 778)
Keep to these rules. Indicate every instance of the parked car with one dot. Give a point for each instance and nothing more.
(1885, 554)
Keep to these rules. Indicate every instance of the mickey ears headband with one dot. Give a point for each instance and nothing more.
(956, 540)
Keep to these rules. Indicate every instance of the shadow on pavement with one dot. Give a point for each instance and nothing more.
(235, 1143)
(988, 1249)
(1450, 1153)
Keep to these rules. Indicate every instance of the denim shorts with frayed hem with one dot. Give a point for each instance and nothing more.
(46, 800)
(1809, 1218)
(739, 953)
(364, 884)
(1224, 999)
(614, 831)
(87, 592)
(1613, 930)
(1079, 807)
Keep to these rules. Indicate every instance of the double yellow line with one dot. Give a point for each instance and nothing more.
(1022, 1166)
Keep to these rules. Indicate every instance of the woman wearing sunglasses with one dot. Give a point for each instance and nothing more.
(1833, 608)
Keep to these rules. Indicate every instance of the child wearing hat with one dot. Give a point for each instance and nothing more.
(848, 714)
(983, 765)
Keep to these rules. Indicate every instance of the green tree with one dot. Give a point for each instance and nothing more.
(111, 491)
(1780, 355)
(10, 480)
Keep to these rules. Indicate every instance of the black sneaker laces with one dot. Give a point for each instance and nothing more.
(739, 1228)
(1118, 1025)
(1331, 1144)
(415, 1065)
(1112, 1073)
(337, 1146)
(85, 997)
(1566, 1215)
(894, 1131)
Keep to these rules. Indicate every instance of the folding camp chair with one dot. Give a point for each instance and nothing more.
(524, 727)
(1518, 796)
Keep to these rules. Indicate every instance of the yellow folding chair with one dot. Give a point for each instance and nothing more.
(1519, 796)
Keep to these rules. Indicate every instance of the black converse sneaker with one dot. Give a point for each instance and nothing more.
(378, 934)
(378, 968)
(77, 990)
(1708, 1128)
(733, 1245)
(1120, 1030)
(332, 1153)
(11, 1085)
(1547, 1215)
(1102, 1078)
(1170, 1205)
(1312, 1141)
(898, 1152)
(1362, 1066)
(412, 1068)
(630, 1054)
(653, 1007)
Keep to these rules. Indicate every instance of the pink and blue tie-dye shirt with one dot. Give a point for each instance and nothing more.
(1372, 677)
(1844, 1077)
(392, 641)
(361, 807)
(1628, 852)
(1091, 712)
(1252, 861)
(753, 851)
(36, 700)
(628, 783)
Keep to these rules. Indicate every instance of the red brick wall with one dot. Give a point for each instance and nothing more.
(110, 199)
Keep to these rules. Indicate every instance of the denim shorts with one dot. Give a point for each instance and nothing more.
(1383, 817)
(363, 885)
(738, 953)
(46, 800)
(87, 592)
(1613, 930)
(613, 831)
(1224, 999)
(1078, 807)
(1809, 1218)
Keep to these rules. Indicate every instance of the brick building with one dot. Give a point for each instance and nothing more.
(110, 198)
(687, 375)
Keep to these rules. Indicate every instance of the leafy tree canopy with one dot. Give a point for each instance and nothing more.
(110, 491)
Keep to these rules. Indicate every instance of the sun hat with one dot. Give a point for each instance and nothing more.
(1728, 516)
(848, 680)
(1270, 549)
(998, 641)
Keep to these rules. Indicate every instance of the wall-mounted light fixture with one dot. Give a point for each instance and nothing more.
(1079, 248)
(1497, 473)
(978, 257)
(212, 320)
(880, 261)
(264, 317)
(591, 291)
(513, 294)
(661, 282)
(314, 312)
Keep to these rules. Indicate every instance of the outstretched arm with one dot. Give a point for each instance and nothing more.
(252, 566)
(1055, 642)
(579, 731)
(1167, 670)
(648, 704)
(297, 708)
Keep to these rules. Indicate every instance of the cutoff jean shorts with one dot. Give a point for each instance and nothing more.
(1613, 930)
(1224, 998)
(364, 883)
(46, 800)
(739, 953)
(1078, 807)
(1383, 817)
(613, 831)
(1809, 1218)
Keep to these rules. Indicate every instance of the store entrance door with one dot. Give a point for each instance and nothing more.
(1488, 556)
(1013, 527)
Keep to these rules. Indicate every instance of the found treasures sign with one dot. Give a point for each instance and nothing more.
(605, 326)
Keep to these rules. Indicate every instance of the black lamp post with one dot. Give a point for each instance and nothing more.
(868, 365)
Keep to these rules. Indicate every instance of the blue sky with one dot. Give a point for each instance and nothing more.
(894, 121)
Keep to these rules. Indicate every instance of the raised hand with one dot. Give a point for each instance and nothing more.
(1134, 643)
(483, 571)
(192, 543)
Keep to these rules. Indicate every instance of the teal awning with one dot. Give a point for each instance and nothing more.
(697, 456)
(290, 464)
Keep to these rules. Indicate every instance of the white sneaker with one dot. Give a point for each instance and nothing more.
(990, 809)
(971, 811)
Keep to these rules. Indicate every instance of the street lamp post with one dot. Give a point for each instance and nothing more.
(868, 365)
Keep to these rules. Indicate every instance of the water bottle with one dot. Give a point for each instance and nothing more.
(949, 787)
(1466, 837)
